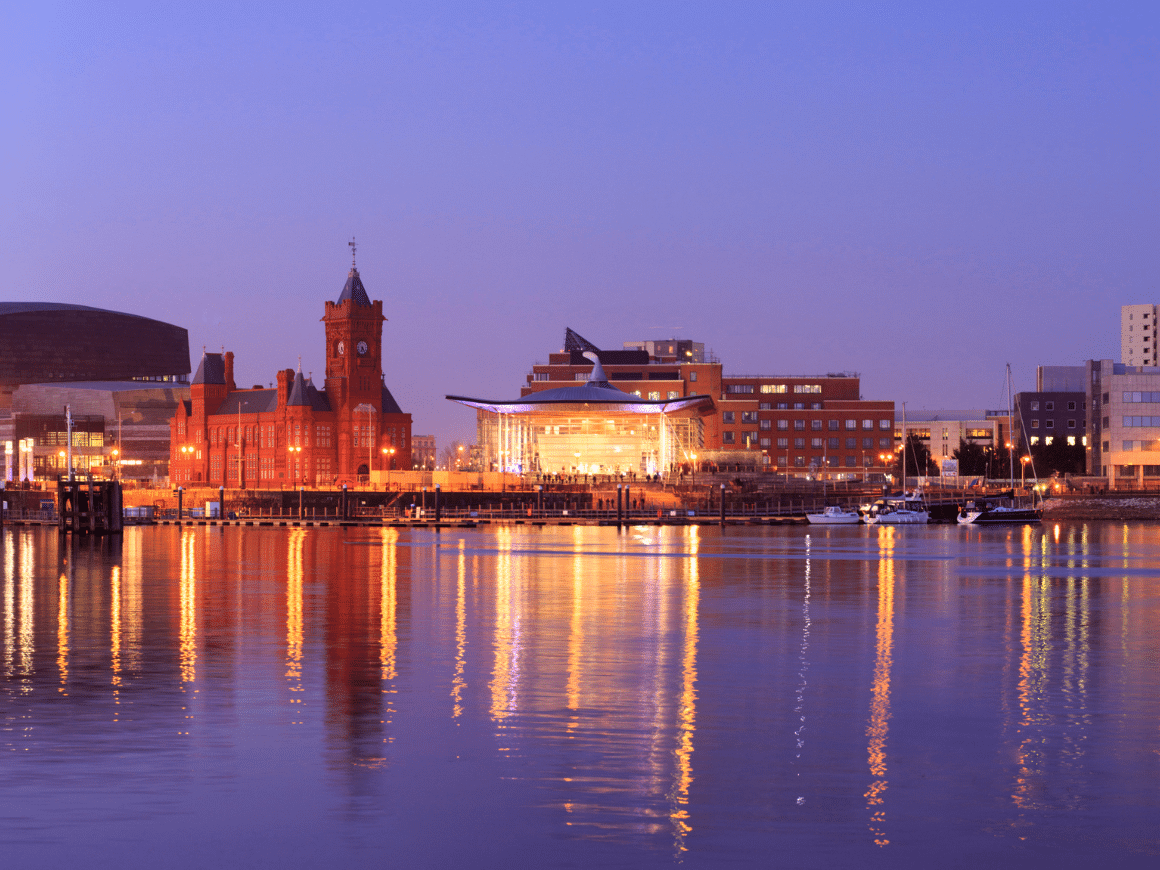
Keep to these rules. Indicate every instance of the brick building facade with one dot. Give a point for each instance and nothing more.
(295, 434)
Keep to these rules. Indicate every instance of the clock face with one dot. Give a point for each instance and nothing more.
(361, 347)
(341, 348)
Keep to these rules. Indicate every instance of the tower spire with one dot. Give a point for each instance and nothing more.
(353, 251)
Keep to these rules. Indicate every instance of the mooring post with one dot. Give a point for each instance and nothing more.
(619, 505)
(438, 506)
(180, 494)
(221, 502)
(722, 504)
(344, 501)
(301, 495)
(627, 506)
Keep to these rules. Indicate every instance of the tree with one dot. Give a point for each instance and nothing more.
(972, 457)
(918, 456)
(454, 456)
(1058, 456)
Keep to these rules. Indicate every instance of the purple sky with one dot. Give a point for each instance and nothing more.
(918, 194)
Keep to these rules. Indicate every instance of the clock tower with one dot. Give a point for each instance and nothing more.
(354, 373)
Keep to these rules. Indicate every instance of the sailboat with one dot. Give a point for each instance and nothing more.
(906, 509)
(981, 511)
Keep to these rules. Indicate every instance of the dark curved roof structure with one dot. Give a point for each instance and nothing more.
(45, 342)
(595, 394)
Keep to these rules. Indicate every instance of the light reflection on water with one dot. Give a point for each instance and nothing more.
(578, 695)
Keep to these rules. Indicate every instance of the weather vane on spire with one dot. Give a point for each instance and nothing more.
(353, 251)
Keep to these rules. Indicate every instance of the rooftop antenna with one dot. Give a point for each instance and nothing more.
(353, 251)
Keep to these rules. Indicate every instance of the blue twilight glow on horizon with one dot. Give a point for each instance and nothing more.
(920, 193)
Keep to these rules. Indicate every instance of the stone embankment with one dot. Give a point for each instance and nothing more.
(1105, 506)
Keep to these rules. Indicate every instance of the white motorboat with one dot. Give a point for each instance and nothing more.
(834, 516)
(892, 516)
(906, 509)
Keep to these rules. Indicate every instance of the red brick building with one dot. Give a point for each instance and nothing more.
(295, 434)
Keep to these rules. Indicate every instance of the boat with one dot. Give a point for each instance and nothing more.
(890, 516)
(980, 512)
(833, 516)
(897, 510)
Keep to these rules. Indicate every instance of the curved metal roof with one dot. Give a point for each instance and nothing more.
(596, 394)
(42, 342)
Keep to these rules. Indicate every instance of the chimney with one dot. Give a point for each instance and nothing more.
(229, 359)
(285, 382)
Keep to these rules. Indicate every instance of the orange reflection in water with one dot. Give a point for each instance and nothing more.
(188, 597)
(687, 703)
(62, 633)
(879, 725)
(457, 681)
(388, 598)
(115, 629)
(507, 618)
(294, 619)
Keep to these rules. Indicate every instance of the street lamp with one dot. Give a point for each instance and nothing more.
(1023, 476)
(389, 452)
(116, 464)
(295, 456)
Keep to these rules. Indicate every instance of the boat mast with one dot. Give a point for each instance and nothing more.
(1010, 429)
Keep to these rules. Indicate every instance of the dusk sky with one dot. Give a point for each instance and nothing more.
(920, 193)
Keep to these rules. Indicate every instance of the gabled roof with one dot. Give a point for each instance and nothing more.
(249, 402)
(298, 393)
(353, 289)
(303, 394)
(390, 406)
(211, 369)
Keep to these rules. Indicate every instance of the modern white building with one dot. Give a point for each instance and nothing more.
(1123, 404)
(941, 430)
(1138, 335)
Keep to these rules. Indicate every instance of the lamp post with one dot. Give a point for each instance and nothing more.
(369, 410)
(295, 451)
(241, 472)
(1023, 460)
(116, 464)
(389, 454)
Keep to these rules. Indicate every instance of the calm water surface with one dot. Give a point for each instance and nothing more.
(579, 697)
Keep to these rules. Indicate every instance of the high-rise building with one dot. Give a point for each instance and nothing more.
(1138, 335)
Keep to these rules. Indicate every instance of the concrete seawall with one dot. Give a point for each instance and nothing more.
(1110, 506)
